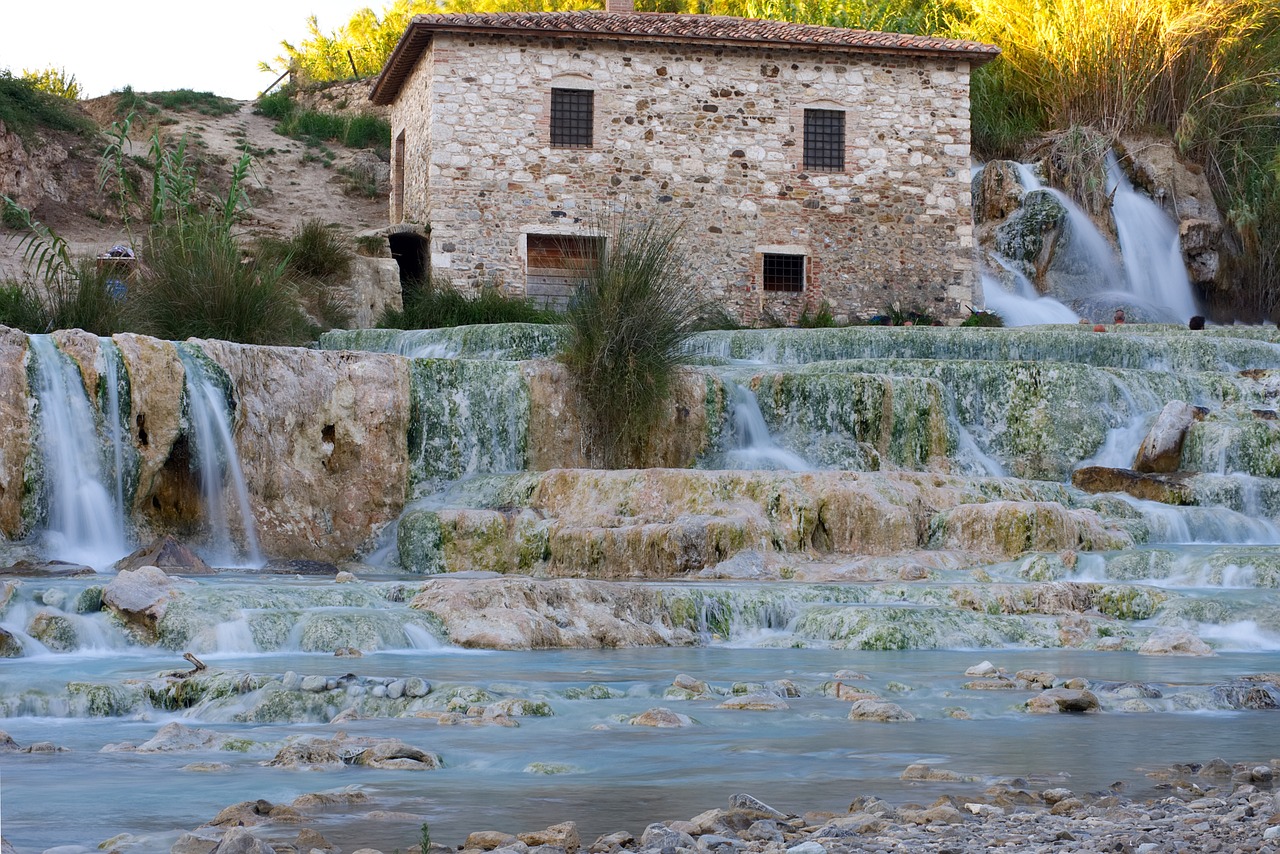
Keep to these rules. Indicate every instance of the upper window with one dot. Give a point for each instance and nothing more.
(571, 118)
(824, 140)
(783, 272)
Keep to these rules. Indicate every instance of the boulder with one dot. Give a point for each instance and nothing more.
(1064, 700)
(7, 744)
(10, 646)
(659, 836)
(169, 555)
(140, 597)
(1161, 449)
(563, 836)
(55, 630)
(1174, 642)
(879, 710)
(1166, 488)
(393, 754)
(488, 840)
(238, 840)
(661, 718)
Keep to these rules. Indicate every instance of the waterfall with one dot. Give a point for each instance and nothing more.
(215, 452)
(1153, 268)
(1089, 248)
(116, 426)
(1026, 307)
(753, 446)
(84, 525)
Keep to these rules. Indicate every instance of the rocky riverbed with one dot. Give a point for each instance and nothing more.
(1207, 807)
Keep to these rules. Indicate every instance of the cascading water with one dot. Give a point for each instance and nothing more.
(1153, 267)
(1026, 307)
(84, 524)
(753, 446)
(215, 451)
(117, 429)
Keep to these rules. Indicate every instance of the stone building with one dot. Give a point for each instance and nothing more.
(808, 166)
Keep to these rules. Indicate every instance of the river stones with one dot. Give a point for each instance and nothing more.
(238, 840)
(1175, 642)
(175, 736)
(1055, 700)
(563, 836)
(759, 701)
(488, 840)
(879, 710)
(10, 646)
(661, 718)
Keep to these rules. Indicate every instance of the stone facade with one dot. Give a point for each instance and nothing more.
(710, 134)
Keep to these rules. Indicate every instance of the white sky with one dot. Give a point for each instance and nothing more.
(161, 44)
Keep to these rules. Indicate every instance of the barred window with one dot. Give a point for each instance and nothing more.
(783, 272)
(571, 118)
(824, 140)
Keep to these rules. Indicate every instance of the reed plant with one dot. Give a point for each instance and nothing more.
(626, 332)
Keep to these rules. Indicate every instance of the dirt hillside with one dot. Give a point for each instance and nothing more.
(290, 181)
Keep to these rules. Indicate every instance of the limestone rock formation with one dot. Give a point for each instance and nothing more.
(322, 442)
(1165, 488)
(15, 433)
(520, 613)
(1174, 642)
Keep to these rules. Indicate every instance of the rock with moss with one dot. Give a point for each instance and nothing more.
(55, 630)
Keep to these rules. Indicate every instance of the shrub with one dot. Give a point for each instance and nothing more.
(277, 105)
(24, 109)
(196, 282)
(985, 319)
(318, 263)
(627, 327)
(821, 319)
(55, 81)
(432, 305)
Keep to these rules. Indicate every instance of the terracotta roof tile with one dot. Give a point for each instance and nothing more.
(646, 26)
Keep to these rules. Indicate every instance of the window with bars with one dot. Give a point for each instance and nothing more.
(783, 273)
(824, 140)
(572, 117)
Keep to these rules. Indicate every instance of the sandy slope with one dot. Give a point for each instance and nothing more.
(286, 185)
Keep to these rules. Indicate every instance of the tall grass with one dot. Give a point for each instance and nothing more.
(1125, 64)
(627, 326)
(196, 282)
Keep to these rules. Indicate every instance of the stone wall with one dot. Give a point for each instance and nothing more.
(714, 136)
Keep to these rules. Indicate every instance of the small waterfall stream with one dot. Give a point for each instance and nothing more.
(84, 524)
(753, 445)
(1153, 266)
(215, 451)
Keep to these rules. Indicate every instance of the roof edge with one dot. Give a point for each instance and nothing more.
(418, 35)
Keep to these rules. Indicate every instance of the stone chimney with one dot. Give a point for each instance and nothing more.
(619, 5)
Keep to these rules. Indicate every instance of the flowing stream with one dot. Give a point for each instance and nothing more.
(847, 421)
